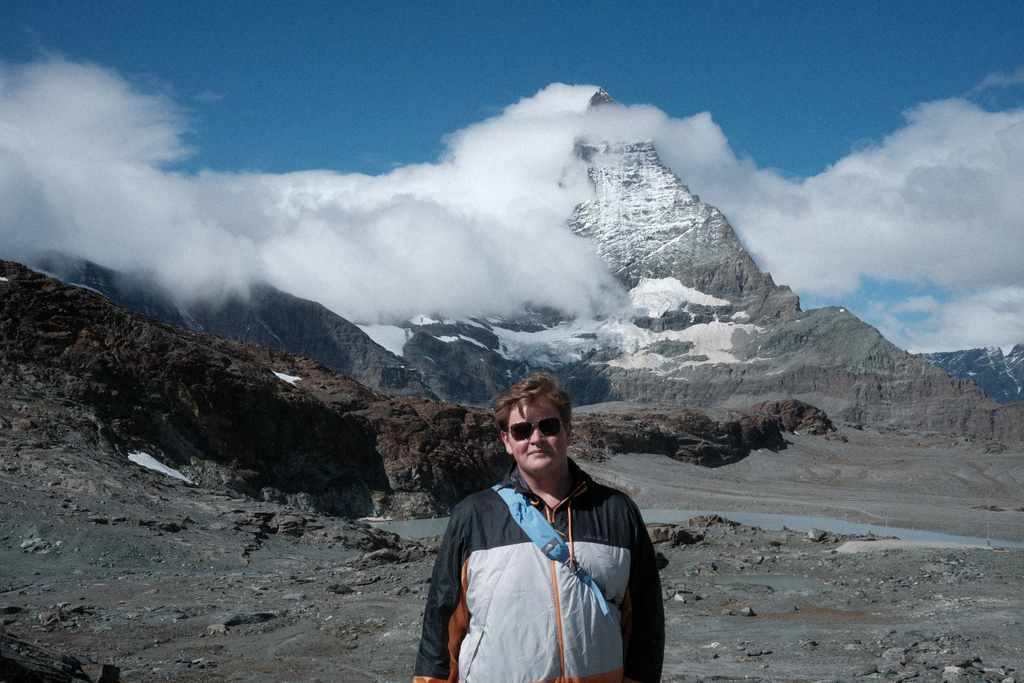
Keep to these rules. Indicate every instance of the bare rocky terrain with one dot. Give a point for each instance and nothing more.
(261, 570)
(108, 563)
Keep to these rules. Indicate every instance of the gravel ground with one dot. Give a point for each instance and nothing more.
(111, 564)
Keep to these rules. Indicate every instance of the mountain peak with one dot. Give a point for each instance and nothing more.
(647, 224)
(601, 97)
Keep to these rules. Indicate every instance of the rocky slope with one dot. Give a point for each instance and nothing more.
(83, 373)
(80, 371)
(267, 317)
(115, 574)
(825, 357)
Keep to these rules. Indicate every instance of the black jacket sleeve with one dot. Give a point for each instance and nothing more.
(645, 649)
(445, 617)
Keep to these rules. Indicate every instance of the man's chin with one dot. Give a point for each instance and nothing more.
(541, 464)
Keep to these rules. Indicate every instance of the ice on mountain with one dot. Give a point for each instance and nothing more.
(450, 339)
(393, 337)
(653, 297)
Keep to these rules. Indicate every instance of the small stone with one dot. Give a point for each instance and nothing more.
(894, 654)
(102, 673)
(867, 670)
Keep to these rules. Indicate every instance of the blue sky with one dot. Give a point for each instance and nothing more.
(784, 101)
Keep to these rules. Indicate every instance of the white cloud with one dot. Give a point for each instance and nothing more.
(83, 159)
(991, 316)
(999, 80)
(940, 201)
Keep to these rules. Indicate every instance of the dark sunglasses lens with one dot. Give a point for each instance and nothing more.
(521, 430)
(550, 426)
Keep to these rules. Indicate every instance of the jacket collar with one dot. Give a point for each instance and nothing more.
(579, 481)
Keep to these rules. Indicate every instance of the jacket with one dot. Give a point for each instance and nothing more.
(500, 611)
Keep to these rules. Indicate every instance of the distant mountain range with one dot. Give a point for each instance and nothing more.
(1000, 376)
(708, 328)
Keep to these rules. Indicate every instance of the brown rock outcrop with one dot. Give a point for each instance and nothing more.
(797, 416)
(227, 414)
(686, 435)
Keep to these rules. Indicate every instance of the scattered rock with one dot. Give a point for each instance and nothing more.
(239, 618)
(102, 673)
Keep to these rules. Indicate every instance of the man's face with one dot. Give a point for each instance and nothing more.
(537, 455)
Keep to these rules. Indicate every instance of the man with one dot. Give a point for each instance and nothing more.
(501, 611)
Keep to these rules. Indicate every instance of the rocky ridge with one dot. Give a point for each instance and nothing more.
(267, 316)
(999, 376)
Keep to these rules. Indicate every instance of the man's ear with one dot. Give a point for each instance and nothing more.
(568, 432)
(505, 440)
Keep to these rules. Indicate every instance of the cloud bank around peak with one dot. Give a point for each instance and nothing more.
(86, 168)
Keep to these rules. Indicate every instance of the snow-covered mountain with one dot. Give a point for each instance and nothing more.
(707, 327)
(647, 225)
(1000, 376)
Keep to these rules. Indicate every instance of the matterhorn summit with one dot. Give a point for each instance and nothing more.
(647, 224)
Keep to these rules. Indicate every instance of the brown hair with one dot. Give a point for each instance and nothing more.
(536, 387)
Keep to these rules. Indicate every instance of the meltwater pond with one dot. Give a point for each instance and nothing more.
(421, 528)
(837, 526)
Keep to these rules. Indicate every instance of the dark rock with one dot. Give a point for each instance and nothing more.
(660, 560)
(240, 618)
(797, 416)
(686, 435)
(387, 556)
(102, 673)
(21, 662)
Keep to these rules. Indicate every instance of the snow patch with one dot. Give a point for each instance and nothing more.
(568, 342)
(391, 337)
(3, 279)
(291, 379)
(710, 340)
(449, 340)
(149, 462)
(654, 297)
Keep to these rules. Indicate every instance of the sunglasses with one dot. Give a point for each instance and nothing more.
(549, 426)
